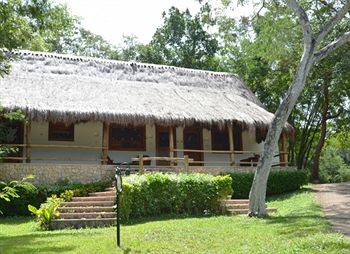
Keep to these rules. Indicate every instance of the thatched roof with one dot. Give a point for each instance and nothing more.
(54, 87)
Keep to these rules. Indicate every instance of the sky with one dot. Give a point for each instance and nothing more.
(114, 18)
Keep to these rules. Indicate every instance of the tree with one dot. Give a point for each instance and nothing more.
(85, 43)
(32, 24)
(182, 40)
(335, 82)
(313, 52)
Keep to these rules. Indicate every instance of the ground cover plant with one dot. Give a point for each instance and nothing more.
(298, 227)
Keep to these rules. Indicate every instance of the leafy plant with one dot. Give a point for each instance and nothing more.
(46, 212)
(9, 190)
(67, 195)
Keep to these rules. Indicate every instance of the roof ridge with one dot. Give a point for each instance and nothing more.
(133, 64)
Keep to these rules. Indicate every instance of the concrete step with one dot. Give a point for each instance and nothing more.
(237, 206)
(246, 210)
(82, 223)
(236, 201)
(87, 203)
(110, 189)
(102, 193)
(96, 198)
(85, 209)
(96, 215)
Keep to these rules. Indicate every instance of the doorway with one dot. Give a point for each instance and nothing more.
(163, 144)
(193, 139)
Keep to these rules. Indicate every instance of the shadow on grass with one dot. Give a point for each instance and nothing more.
(161, 218)
(286, 196)
(32, 243)
(15, 220)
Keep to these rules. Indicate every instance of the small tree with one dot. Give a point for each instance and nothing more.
(313, 52)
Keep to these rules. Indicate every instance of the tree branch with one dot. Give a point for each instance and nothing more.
(328, 5)
(332, 22)
(329, 116)
(303, 19)
(322, 53)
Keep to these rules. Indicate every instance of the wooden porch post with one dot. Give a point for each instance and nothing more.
(28, 140)
(171, 145)
(105, 139)
(141, 167)
(186, 163)
(232, 147)
(284, 156)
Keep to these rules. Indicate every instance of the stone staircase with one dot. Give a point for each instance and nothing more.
(240, 206)
(96, 210)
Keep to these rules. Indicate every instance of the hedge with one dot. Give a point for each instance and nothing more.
(160, 194)
(279, 182)
(19, 206)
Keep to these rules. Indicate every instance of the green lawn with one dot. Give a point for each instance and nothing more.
(298, 227)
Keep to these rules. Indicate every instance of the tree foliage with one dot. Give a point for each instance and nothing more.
(32, 24)
(182, 40)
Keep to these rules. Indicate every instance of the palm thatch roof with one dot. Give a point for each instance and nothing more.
(55, 87)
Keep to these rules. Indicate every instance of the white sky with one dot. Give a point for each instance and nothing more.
(113, 18)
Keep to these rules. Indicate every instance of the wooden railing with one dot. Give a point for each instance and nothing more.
(186, 160)
(142, 158)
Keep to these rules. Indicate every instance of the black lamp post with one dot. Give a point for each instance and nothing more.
(118, 189)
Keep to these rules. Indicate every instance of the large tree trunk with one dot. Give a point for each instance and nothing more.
(257, 194)
(316, 162)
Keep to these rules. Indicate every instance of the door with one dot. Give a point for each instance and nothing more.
(193, 139)
(163, 143)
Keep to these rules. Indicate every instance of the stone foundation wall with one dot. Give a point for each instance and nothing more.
(51, 173)
(84, 173)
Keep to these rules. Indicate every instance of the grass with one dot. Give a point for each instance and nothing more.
(298, 227)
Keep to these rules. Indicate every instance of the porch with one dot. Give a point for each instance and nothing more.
(142, 147)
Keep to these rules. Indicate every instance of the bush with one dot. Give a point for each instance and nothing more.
(160, 194)
(38, 196)
(333, 168)
(344, 173)
(279, 182)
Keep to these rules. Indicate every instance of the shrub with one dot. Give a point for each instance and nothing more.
(344, 173)
(279, 182)
(38, 196)
(10, 190)
(46, 212)
(159, 194)
(332, 167)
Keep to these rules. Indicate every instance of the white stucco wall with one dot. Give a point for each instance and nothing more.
(85, 134)
(90, 134)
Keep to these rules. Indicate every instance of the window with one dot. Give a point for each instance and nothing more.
(237, 138)
(61, 132)
(127, 138)
(219, 139)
